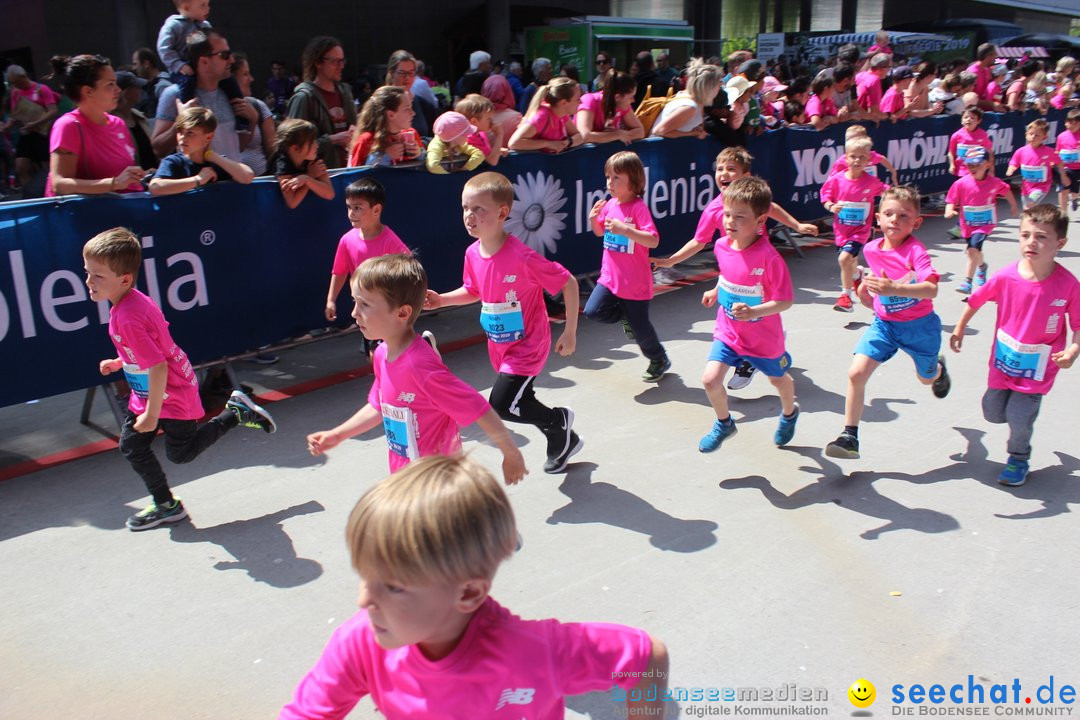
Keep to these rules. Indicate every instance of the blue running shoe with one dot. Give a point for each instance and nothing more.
(720, 432)
(964, 288)
(1015, 472)
(786, 429)
(980, 275)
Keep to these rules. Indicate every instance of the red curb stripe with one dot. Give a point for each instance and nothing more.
(64, 456)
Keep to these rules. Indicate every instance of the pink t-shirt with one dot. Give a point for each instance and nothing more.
(353, 249)
(892, 101)
(1035, 167)
(594, 103)
(1068, 149)
(503, 668)
(993, 91)
(961, 141)
(422, 403)
(511, 285)
(548, 126)
(38, 94)
(102, 151)
(856, 215)
(841, 166)
(480, 141)
(816, 106)
(625, 269)
(141, 335)
(875, 48)
(1030, 326)
(712, 221)
(868, 90)
(975, 201)
(982, 78)
(907, 264)
(753, 276)
(1058, 101)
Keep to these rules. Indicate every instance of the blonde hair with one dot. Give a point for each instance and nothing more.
(737, 155)
(629, 164)
(854, 131)
(399, 278)
(118, 248)
(1037, 82)
(1038, 124)
(372, 117)
(702, 80)
(437, 519)
(901, 193)
(859, 142)
(559, 88)
(494, 184)
(474, 105)
(751, 191)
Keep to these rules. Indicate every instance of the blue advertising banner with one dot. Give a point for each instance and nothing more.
(233, 269)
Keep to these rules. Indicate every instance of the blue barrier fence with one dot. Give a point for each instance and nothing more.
(234, 269)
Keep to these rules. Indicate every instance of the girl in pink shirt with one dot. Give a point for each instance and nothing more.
(1034, 297)
(625, 286)
(970, 135)
(429, 643)
(608, 115)
(549, 123)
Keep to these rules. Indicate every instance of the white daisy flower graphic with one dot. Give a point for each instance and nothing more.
(535, 218)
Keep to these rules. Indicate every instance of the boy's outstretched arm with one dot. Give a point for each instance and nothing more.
(567, 342)
(461, 296)
(956, 340)
(690, 249)
(365, 419)
(513, 465)
(652, 684)
(782, 216)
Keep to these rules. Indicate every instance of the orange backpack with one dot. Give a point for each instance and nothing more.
(649, 108)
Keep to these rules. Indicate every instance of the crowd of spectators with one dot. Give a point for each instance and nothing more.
(108, 128)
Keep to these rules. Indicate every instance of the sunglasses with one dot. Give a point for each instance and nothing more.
(224, 54)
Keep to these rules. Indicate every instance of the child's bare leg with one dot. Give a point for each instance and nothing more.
(929, 381)
(847, 264)
(859, 373)
(713, 380)
(974, 260)
(785, 387)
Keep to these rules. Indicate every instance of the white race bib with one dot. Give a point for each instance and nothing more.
(1017, 359)
(618, 243)
(1070, 156)
(853, 214)
(1033, 173)
(896, 303)
(980, 215)
(138, 380)
(400, 426)
(728, 293)
(503, 322)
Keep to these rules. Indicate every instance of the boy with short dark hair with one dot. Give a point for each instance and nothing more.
(509, 279)
(164, 390)
(1033, 296)
(195, 164)
(902, 283)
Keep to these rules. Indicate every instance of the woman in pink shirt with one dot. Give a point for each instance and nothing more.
(91, 151)
(607, 114)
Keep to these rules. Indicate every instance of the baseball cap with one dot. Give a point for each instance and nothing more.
(902, 72)
(975, 156)
(125, 79)
(771, 84)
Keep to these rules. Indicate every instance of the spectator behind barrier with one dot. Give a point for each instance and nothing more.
(608, 115)
(258, 144)
(210, 56)
(1014, 96)
(868, 86)
(684, 115)
(400, 72)
(131, 92)
(145, 64)
(33, 107)
(549, 123)
(324, 100)
(473, 80)
(487, 138)
(820, 108)
(541, 70)
(498, 90)
(985, 56)
(384, 132)
(917, 96)
(647, 77)
(296, 164)
(195, 164)
(279, 88)
(91, 151)
(604, 62)
(513, 76)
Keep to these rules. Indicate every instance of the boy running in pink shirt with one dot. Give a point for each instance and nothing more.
(164, 389)
(753, 289)
(876, 158)
(1033, 296)
(974, 198)
(1034, 161)
(969, 137)
(731, 163)
(419, 402)
(1068, 149)
(902, 283)
(625, 285)
(509, 279)
(850, 197)
(429, 643)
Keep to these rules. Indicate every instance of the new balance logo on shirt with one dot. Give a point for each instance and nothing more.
(510, 279)
(515, 696)
(406, 397)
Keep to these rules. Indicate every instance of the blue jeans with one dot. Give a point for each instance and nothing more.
(607, 307)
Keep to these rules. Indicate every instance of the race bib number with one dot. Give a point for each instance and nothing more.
(618, 243)
(728, 293)
(138, 380)
(1070, 156)
(400, 426)
(853, 214)
(895, 303)
(503, 322)
(979, 215)
(1017, 359)
(1033, 173)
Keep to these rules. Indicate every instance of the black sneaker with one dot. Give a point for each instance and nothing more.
(627, 329)
(846, 446)
(563, 443)
(249, 414)
(943, 384)
(656, 370)
(742, 376)
(153, 515)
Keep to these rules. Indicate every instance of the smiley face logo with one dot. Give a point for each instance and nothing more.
(862, 693)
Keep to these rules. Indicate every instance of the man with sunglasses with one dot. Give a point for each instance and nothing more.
(211, 58)
(326, 101)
